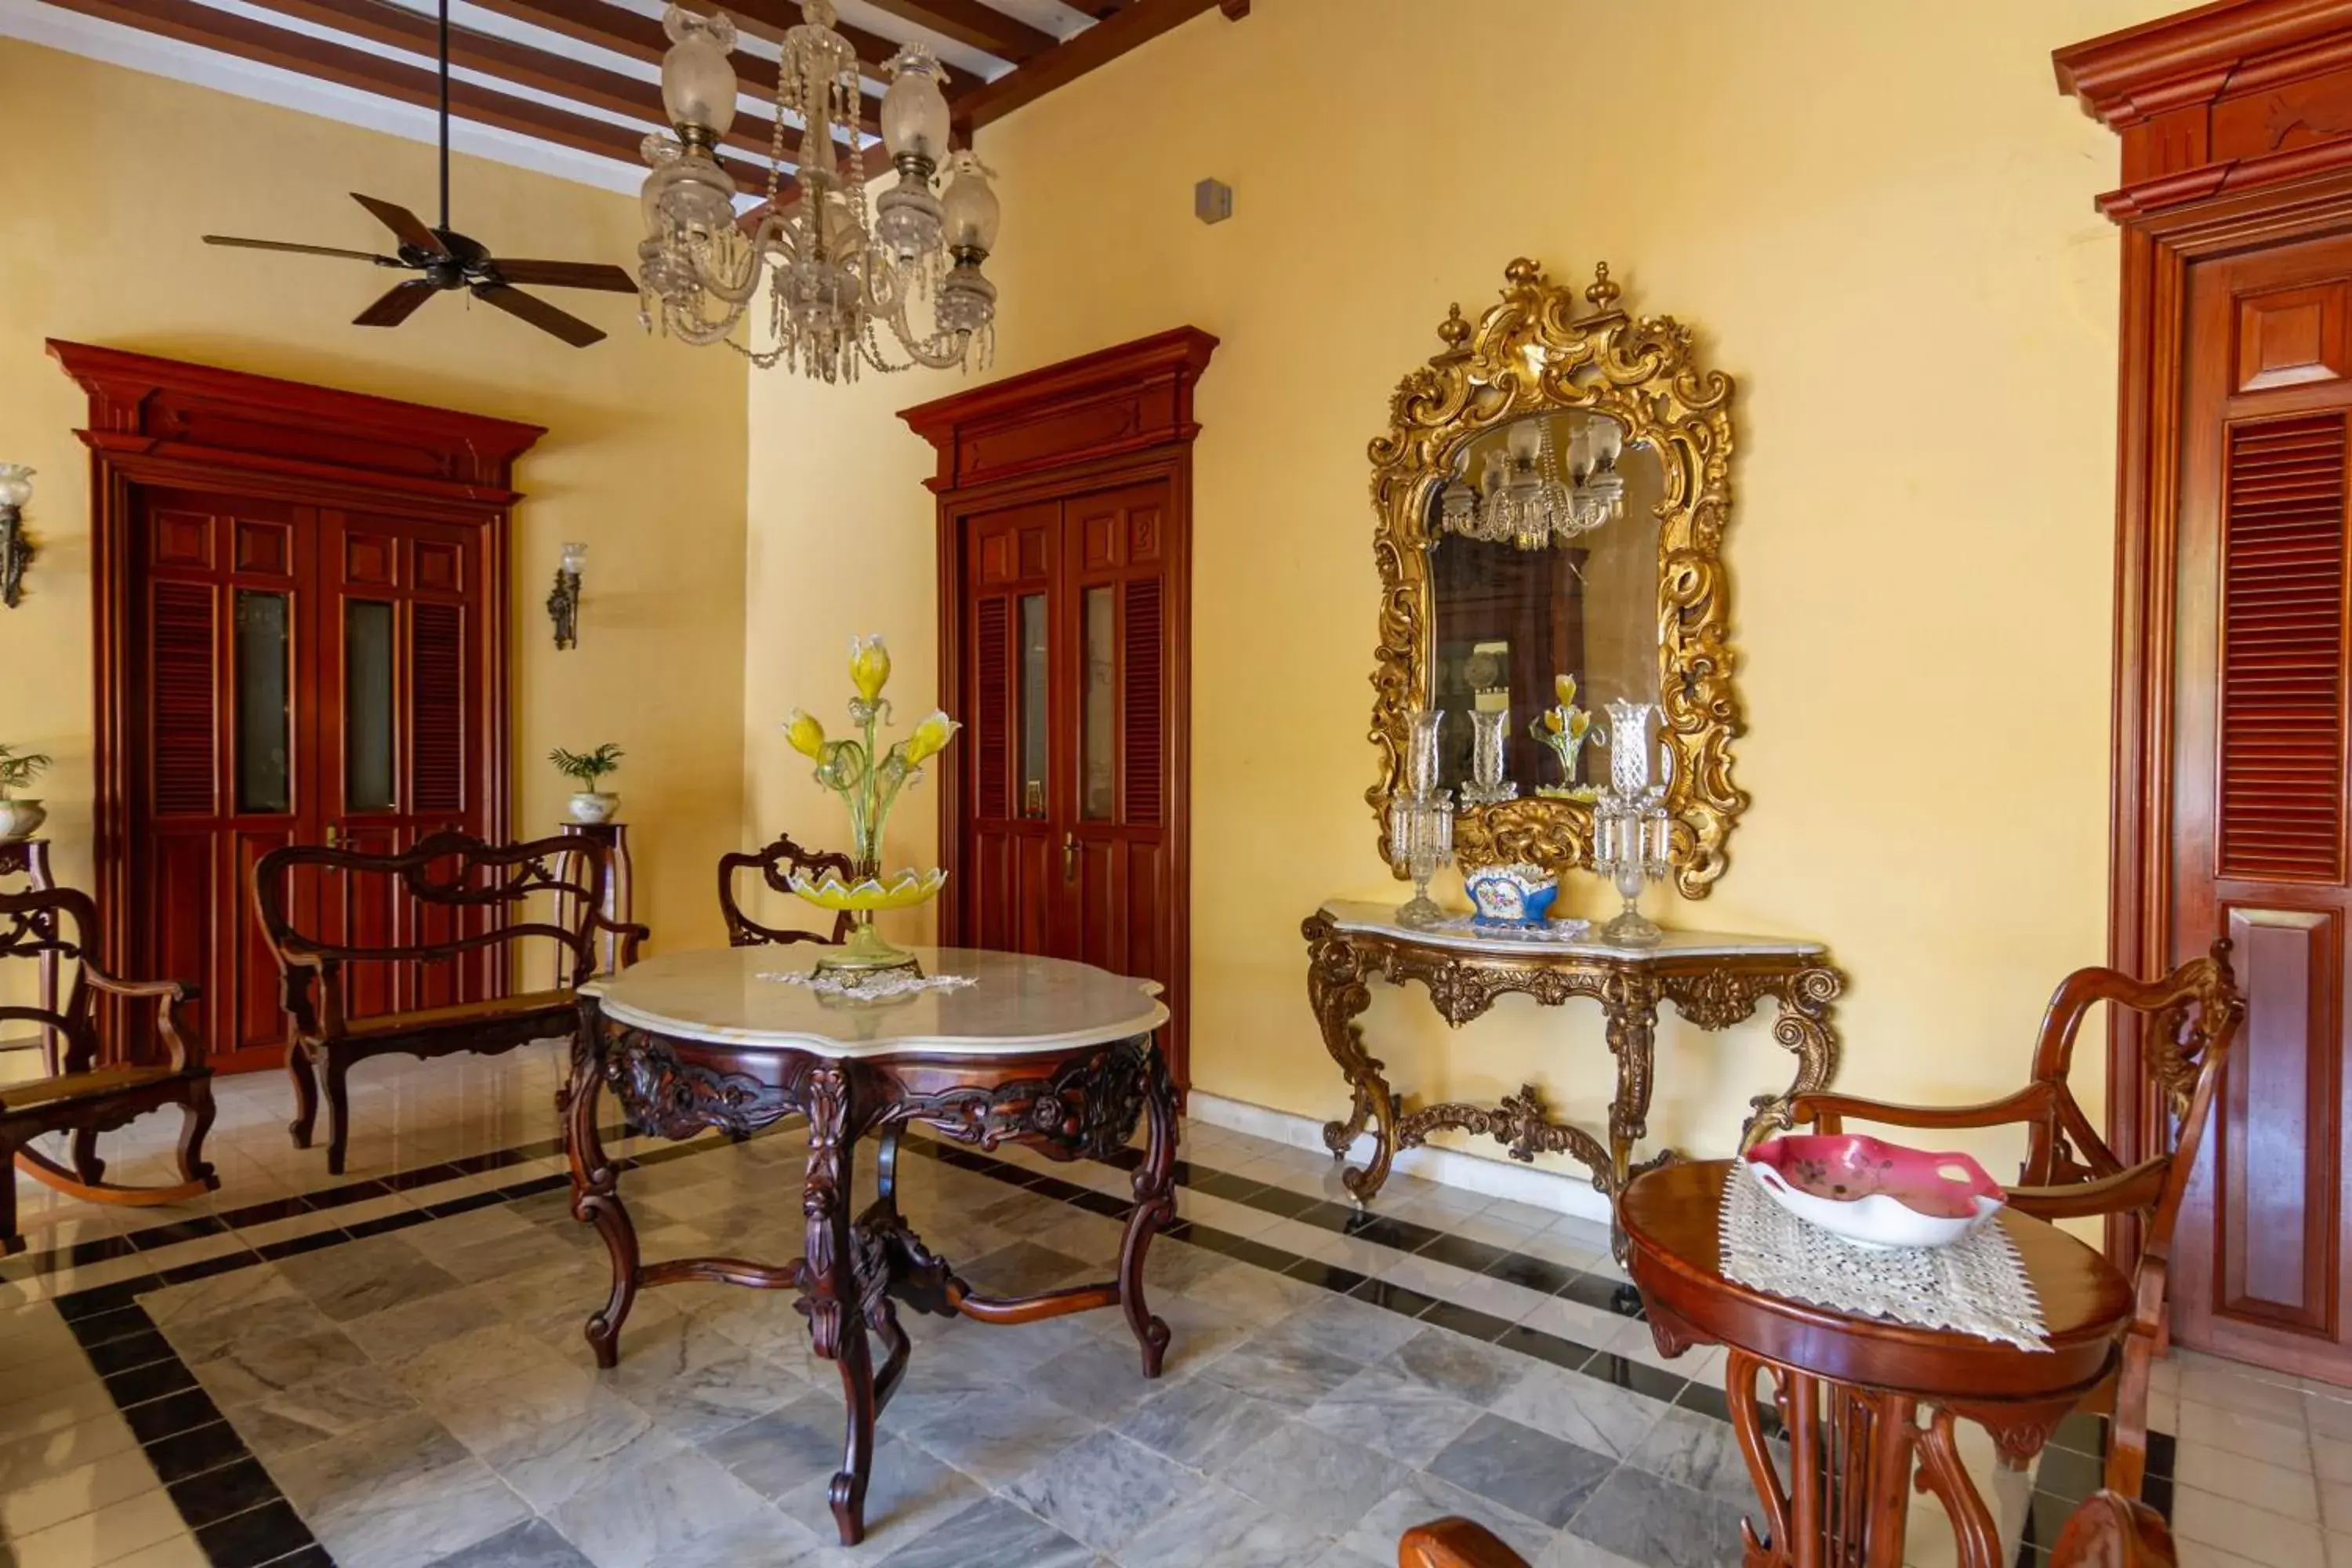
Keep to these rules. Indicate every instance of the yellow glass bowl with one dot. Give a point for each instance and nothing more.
(904, 890)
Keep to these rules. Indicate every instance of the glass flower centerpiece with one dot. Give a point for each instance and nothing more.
(867, 779)
(1564, 728)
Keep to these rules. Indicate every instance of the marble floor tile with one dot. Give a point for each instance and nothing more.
(415, 1523)
(1100, 1379)
(1217, 1525)
(102, 1536)
(342, 1400)
(781, 1452)
(1654, 1520)
(1104, 1490)
(1198, 1423)
(1530, 1472)
(1453, 1364)
(994, 1532)
(1382, 1408)
(366, 1275)
(1424, 1497)
(1699, 1453)
(533, 1543)
(1347, 1327)
(633, 1515)
(342, 1472)
(1281, 1371)
(910, 1496)
(1592, 1414)
(1308, 1474)
(997, 1438)
(68, 1494)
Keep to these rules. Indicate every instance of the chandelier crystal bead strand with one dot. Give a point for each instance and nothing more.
(838, 270)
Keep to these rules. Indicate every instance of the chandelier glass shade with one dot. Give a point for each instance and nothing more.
(1521, 498)
(829, 273)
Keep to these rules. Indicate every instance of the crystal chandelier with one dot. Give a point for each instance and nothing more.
(1521, 499)
(837, 272)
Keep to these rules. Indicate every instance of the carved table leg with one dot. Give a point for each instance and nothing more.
(1336, 992)
(1630, 1003)
(1155, 1206)
(1803, 1027)
(306, 1093)
(595, 1185)
(829, 1284)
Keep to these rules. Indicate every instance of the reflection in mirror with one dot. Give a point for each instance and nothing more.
(1543, 564)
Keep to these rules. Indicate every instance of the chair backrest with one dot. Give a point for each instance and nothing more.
(774, 862)
(60, 922)
(484, 887)
(2188, 1019)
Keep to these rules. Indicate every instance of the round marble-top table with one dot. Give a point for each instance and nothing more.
(1055, 1055)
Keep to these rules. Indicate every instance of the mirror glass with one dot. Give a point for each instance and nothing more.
(1545, 564)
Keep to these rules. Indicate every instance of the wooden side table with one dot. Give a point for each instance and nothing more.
(1714, 981)
(1852, 1391)
(620, 896)
(29, 858)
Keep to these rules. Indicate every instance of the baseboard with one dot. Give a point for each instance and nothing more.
(1504, 1178)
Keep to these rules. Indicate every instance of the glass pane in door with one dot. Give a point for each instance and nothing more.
(1034, 737)
(367, 705)
(264, 775)
(1098, 777)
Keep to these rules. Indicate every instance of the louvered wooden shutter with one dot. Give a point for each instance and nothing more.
(437, 706)
(184, 703)
(992, 724)
(2281, 697)
(1142, 713)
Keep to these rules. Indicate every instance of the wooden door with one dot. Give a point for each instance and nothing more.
(303, 675)
(2260, 850)
(1066, 849)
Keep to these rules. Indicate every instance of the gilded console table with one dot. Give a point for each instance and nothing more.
(1714, 981)
(1056, 1055)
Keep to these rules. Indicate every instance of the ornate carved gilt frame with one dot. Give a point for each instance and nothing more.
(1533, 352)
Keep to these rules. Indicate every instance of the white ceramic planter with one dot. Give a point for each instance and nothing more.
(21, 818)
(594, 805)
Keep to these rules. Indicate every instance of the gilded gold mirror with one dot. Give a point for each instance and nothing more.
(1551, 497)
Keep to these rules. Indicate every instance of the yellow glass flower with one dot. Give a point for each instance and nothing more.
(1551, 720)
(806, 733)
(1579, 723)
(930, 739)
(869, 666)
(1563, 687)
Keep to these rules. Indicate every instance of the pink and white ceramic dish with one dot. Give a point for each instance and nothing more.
(1875, 1194)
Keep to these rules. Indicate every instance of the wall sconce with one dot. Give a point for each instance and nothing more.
(564, 600)
(15, 550)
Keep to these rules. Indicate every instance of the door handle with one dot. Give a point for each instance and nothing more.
(1069, 857)
(334, 836)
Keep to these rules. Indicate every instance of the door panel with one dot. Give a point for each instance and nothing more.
(2259, 840)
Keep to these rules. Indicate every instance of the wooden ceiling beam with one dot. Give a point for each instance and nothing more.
(1134, 25)
(976, 25)
(379, 21)
(264, 43)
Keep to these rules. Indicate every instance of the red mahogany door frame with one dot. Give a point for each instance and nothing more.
(165, 422)
(2235, 138)
(1121, 416)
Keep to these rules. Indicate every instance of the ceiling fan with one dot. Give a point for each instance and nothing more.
(450, 260)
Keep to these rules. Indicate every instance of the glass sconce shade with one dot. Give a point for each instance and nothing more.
(575, 557)
(698, 84)
(1422, 726)
(969, 206)
(16, 484)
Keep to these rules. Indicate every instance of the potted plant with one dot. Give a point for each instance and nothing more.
(20, 819)
(590, 805)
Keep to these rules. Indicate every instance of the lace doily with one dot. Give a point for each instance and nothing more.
(1977, 1286)
(888, 985)
(1541, 931)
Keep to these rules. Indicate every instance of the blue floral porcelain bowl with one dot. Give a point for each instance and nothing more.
(1516, 895)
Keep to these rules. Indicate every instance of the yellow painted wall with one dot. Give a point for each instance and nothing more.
(1878, 218)
(644, 458)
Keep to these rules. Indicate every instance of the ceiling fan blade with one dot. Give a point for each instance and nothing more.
(406, 225)
(567, 274)
(302, 249)
(398, 305)
(540, 314)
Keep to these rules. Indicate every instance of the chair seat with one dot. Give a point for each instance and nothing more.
(561, 1001)
(81, 1086)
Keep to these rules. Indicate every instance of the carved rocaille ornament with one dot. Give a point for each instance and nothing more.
(1543, 347)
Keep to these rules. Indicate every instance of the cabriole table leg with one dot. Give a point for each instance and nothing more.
(829, 1284)
(595, 1185)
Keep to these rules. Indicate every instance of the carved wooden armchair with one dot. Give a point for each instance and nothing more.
(419, 955)
(86, 1098)
(2106, 1531)
(2191, 1016)
(775, 861)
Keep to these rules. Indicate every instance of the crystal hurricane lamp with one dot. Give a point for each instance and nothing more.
(1421, 819)
(1632, 836)
(1490, 734)
(835, 277)
(15, 550)
(868, 779)
(563, 599)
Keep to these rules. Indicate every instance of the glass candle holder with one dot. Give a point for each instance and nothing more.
(1490, 738)
(1421, 756)
(1421, 840)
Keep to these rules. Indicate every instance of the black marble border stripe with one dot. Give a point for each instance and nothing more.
(238, 1511)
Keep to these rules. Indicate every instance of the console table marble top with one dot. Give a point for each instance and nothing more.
(1381, 920)
(1020, 1006)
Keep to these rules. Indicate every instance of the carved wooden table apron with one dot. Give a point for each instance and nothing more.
(1055, 1055)
(1852, 1391)
(1712, 981)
